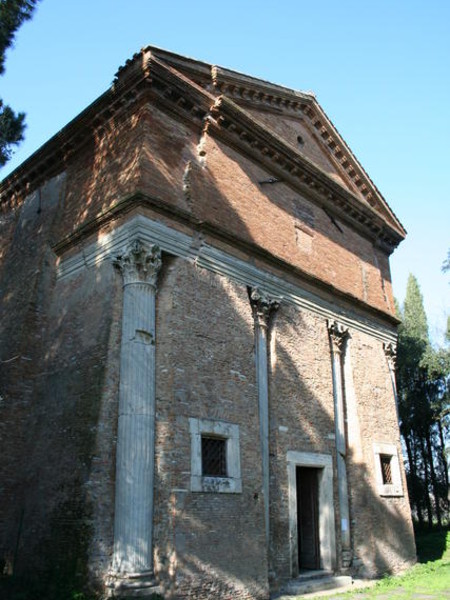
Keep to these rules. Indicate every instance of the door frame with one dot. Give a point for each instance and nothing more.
(327, 534)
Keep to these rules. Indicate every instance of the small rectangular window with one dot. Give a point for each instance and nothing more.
(386, 471)
(214, 457)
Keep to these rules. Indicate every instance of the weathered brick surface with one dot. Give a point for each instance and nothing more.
(302, 413)
(287, 225)
(290, 129)
(212, 543)
(61, 348)
(382, 529)
(54, 344)
(105, 170)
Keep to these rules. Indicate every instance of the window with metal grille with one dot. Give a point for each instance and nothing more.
(386, 470)
(214, 457)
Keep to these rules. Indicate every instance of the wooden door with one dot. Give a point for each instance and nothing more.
(308, 518)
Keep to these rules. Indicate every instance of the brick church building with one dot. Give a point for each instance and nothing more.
(198, 345)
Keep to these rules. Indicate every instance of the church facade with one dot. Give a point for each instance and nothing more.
(198, 345)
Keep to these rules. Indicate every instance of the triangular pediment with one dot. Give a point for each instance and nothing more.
(295, 117)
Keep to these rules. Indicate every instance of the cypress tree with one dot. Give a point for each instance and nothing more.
(422, 375)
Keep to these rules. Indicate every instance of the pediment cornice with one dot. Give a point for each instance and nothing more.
(259, 92)
(251, 92)
(240, 130)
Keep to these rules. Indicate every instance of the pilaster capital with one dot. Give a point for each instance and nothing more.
(263, 305)
(338, 335)
(140, 263)
(390, 350)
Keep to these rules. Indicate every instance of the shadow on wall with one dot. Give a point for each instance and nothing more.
(385, 543)
(301, 399)
(298, 228)
(384, 536)
(51, 416)
(145, 152)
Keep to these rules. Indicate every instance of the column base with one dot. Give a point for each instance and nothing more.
(133, 585)
(346, 558)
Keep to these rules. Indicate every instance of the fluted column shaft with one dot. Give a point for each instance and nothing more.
(263, 306)
(338, 339)
(133, 526)
(262, 374)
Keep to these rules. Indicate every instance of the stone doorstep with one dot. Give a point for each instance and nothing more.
(356, 584)
(315, 582)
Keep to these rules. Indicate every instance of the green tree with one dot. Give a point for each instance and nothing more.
(12, 14)
(446, 263)
(423, 379)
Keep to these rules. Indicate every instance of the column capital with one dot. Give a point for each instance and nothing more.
(139, 263)
(263, 305)
(338, 335)
(390, 350)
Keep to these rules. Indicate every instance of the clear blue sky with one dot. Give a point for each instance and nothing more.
(380, 69)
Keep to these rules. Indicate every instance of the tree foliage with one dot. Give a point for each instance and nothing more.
(446, 263)
(423, 379)
(12, 14)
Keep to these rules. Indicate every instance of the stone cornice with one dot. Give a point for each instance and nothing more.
(232, 83)
(172, 91)
(196, 70)
(332, 305)
(239, 87)
(201, 229)
(338, 149)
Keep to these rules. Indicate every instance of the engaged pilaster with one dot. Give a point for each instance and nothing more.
(133, 526)
(263, 307)
(338, 340)
(390, 351)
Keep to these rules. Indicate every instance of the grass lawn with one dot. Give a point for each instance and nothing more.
(428, 580)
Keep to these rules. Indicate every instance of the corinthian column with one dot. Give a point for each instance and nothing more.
(263, 307)
(132, 561)
(338, 339)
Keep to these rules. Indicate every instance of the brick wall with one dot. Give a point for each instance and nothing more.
(206, 543)
(383, 532)
(56, 337)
